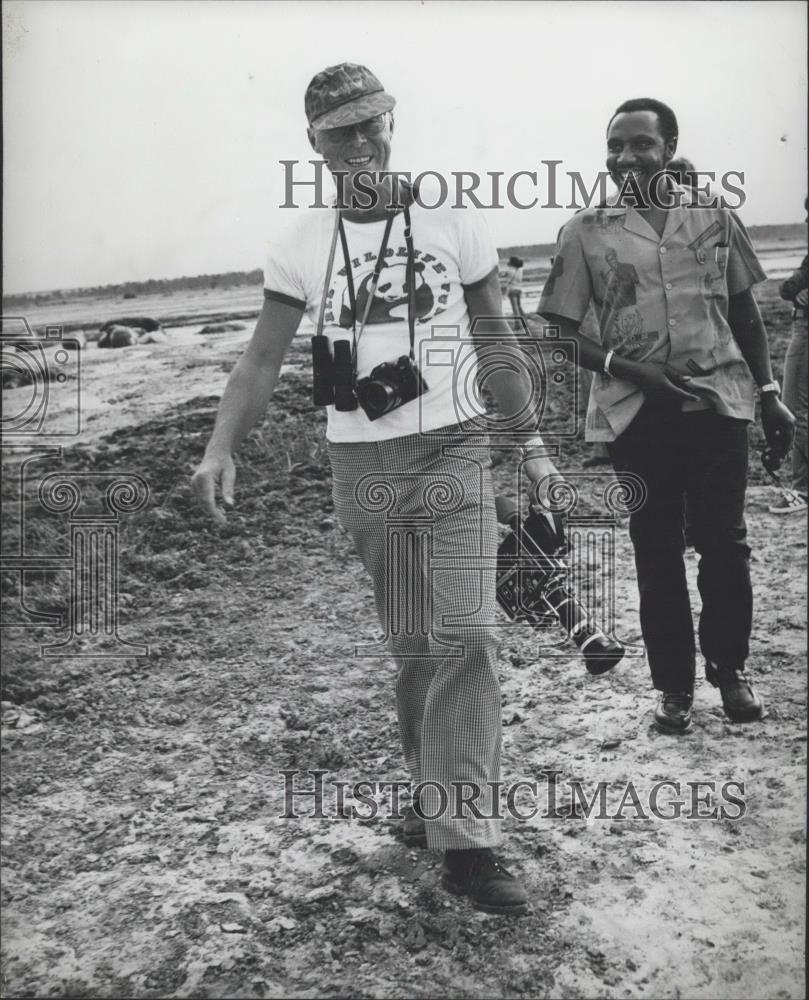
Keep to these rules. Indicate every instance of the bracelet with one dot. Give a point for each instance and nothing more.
(770, 387)
(606, 368)
(534, 442)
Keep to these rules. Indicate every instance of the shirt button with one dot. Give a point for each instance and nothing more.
(669, 285)
(672, 322)
(662, 249)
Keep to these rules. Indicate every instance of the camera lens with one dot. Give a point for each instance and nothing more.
(380, 396)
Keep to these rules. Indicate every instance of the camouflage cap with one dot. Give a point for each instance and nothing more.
(344, 95)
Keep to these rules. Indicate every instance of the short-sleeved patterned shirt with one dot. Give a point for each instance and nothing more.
(659, 299)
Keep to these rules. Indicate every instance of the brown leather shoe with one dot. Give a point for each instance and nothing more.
(478, 874)
(673, 712)
(739, 699)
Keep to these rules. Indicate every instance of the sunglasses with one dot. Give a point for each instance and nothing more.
(369, 127)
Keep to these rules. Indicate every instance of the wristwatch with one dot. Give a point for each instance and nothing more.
(770, 387)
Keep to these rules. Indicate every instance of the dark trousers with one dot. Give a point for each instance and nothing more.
(701, 458)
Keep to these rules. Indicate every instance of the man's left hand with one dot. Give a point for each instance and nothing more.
(778, 424)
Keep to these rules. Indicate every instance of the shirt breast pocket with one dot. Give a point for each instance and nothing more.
(714, 278)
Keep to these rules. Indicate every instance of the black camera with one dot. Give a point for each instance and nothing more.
(532, 585)
(390, 385)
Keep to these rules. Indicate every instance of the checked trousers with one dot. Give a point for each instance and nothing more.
(420, 510)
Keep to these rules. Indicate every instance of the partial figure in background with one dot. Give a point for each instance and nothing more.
(511, 285)
(684, 172)
(794, 290)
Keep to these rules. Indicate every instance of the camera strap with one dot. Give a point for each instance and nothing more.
(410, 282)
(352, 299)
(330, 266)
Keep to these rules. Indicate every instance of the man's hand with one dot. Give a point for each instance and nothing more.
(541, 472)
(802, 297)
(243, 402)
(213, 470)
(661, 383)
(778, 424)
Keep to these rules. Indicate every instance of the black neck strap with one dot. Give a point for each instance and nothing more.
(380, 261)
(410, 284)
(410, 280)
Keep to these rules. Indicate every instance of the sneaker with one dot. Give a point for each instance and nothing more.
(673, 712)
(740, 701)
(478, 874)
(789, 503)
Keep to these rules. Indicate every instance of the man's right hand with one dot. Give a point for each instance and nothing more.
(213, 470)
(661, 383)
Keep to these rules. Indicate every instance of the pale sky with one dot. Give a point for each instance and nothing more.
(143, 139)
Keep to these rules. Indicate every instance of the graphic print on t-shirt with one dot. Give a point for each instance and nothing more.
(389, 302)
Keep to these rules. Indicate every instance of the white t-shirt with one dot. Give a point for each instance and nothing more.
(453, 248)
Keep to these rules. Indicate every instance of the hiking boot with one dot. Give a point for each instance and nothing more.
(673, 712)
(789, 502)
(414, 830)
(740, 701)
(478, 874)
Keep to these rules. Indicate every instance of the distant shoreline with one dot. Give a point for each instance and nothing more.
(766, 238)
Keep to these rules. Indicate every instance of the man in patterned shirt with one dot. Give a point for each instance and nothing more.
(682, 349)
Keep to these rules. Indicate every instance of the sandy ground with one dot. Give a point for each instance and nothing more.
(145, 853)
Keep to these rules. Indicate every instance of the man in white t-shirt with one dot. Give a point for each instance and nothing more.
(392, 282)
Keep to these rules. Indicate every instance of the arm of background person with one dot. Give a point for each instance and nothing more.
(750, 334)
(492, 335)
(244, 401)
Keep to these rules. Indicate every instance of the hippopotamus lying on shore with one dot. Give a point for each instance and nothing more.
(118, 336)
(131, 330)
